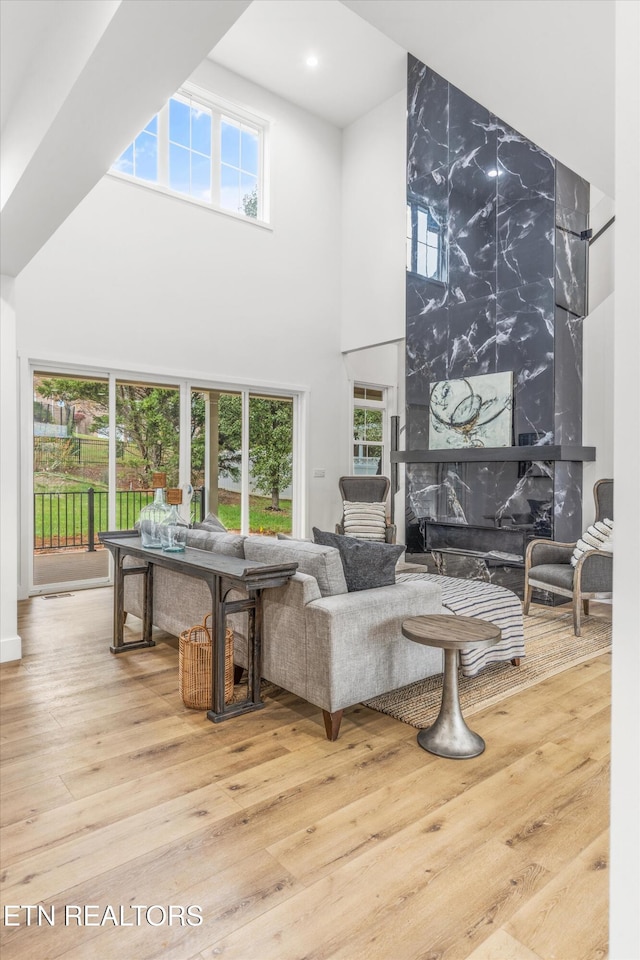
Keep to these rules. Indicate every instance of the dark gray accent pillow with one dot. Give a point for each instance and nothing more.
(367, 564)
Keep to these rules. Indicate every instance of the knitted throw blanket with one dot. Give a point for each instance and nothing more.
(476, 598)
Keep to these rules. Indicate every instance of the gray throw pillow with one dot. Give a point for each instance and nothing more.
(211, 522)
(367, 564)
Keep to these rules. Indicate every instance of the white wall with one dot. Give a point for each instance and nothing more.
(597, 355)
(135, 280)
(624, 931)
(597, 400)
(10, 643)
(374, 226)
(602, 250)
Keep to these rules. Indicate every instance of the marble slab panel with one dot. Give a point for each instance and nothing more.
(472, 197)
(567, 501)
(427, 121)
(572, 191)
(571, 272)
(525, 344)
(472, 134)
(568, 378)
(426, 338)
(571, 219)
(472, 338)
(526, 242)
(417, 426)
(471, 236)
(525, 171)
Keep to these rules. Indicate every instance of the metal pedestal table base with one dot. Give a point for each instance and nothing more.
(450, 736)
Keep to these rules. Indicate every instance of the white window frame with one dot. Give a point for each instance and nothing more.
(380, 406)
(414, 241)
(219, 108)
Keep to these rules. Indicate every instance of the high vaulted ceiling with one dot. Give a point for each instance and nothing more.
(544, 66)
(68, 68)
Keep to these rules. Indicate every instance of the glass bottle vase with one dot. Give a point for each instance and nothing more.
(150, 519)
(173, 531)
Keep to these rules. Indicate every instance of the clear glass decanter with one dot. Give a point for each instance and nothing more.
(151, 517)
(173, 531)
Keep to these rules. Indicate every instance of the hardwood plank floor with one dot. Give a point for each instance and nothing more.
(114, 795)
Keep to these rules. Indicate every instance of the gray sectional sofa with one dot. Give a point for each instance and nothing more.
(331, 647)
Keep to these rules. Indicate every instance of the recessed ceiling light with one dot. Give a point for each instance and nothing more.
(311, 61)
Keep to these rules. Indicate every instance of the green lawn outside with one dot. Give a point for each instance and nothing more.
(261, 520)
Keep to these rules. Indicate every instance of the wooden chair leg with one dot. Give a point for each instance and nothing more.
(577, 604)
(527, 598)
(515, 661)
(332, 723)
(585, 607)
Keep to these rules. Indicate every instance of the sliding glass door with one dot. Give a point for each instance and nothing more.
(147, 441)
(70, 478)
(242, 459)
(98, 441)
(270, 464)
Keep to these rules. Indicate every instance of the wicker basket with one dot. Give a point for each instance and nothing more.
(194, 666)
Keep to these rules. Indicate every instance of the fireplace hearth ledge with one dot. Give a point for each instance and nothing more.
(540, 452)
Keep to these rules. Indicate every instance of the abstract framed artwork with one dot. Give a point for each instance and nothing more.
(473, 412)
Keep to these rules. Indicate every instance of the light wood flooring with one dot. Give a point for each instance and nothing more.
(115, 795)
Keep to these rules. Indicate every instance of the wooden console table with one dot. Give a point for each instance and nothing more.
(250, 575)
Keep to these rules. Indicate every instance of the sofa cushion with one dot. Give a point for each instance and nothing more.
(317, 561)
(210, 522)
(229, 544)
(366, 564)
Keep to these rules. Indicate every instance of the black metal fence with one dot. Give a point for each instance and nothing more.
(74, 519)
(51, 453)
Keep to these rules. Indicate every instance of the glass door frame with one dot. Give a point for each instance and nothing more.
(29, 366)
(298, 399)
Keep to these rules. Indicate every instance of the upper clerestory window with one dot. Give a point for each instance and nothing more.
(425, 246)
(197, 148)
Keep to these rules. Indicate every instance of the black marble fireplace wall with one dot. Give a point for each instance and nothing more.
(502, 287)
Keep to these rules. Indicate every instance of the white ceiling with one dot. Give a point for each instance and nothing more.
(24, 28)
(544, 66)
(358, 67)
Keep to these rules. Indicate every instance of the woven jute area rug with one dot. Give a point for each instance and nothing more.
(550, 646)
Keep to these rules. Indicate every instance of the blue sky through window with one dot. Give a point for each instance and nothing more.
(240, 156)
(189, 149)
(175, 149)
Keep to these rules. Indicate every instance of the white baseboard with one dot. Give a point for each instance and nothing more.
(10, 649)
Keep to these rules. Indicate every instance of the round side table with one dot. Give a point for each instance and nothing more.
(450, 736)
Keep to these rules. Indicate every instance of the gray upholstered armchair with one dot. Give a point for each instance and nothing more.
(367, 489)
(548, 565)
